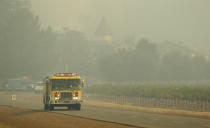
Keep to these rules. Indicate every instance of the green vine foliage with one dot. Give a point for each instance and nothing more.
(171, 90)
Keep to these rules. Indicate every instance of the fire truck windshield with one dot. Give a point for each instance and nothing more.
(65, 84)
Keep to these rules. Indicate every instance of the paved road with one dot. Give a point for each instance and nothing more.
(128, 117)
(139, 118)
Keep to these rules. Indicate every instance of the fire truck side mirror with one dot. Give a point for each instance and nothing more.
(47, 82)
(82, 83)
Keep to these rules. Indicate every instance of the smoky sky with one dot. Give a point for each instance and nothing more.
(187, 21)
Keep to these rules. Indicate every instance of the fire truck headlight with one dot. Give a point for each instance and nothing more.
(75, 98)
(56, 98)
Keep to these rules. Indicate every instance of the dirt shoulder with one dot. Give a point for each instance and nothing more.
(26, 98)
(22, 118)
(203, 115)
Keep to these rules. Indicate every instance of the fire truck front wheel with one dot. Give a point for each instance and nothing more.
(51, 107)
(46, 107)
(69, 107)
(78, 106)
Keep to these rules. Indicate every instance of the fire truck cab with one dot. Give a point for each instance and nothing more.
(62, 89)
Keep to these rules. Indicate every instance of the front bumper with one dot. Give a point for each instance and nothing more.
(65, 102)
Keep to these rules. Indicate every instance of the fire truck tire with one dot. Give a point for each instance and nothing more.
(51, 107)
(69, 107)
(46, 107)
(78, 106)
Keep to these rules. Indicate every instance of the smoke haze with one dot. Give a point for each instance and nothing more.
(185, 21)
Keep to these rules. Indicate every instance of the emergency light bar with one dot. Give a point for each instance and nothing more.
(65, 74)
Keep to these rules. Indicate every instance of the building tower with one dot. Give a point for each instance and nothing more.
(103, 32)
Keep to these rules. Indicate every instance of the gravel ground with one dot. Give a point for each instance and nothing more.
(133, 115)
(11, 117)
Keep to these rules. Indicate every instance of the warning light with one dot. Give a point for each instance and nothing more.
(57, 74)
(74, 74)
(65, 74)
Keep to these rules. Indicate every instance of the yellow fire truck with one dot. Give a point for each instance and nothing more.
(62, 89)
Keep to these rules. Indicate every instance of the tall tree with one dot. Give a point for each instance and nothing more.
(73, 51)
(25, 48)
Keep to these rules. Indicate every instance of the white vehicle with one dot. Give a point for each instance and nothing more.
(38, 87)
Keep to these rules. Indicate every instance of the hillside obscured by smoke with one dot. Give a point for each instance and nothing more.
(25, 48)
(158, 20)
(155, 62)
(29, 49)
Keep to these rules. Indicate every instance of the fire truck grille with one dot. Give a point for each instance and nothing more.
(66, 95)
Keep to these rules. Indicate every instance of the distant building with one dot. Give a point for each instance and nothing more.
(103, 32)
